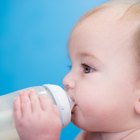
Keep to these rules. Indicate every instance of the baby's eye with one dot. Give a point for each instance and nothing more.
(87, 69)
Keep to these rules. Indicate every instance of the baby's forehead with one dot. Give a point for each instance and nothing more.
(104, 30)
(104, 26)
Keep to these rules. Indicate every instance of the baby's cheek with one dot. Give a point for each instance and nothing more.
(98, 109)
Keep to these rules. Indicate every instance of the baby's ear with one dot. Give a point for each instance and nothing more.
(137, 106)
(137, 99)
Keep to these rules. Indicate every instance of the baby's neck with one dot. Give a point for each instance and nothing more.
(125, 135)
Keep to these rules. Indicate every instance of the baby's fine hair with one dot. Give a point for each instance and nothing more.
(131, 9)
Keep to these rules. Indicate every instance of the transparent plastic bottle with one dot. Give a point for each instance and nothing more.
(56, 93)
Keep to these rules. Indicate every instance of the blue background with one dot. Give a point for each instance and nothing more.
(33, 43)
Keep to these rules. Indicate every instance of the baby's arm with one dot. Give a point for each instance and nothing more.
(36, 118)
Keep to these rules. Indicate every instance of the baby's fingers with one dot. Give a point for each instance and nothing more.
(17, 108)
(25, 104)
(45, 102)
(35, 104)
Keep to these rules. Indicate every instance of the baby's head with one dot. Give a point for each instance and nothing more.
(104, 49)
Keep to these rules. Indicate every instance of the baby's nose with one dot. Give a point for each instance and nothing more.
(68, 82)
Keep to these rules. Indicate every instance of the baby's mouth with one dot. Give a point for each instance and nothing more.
(74, 109)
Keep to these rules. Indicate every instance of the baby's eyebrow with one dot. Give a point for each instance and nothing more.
(91, 56)
(88, 55)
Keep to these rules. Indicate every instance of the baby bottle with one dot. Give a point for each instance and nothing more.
(56, 93)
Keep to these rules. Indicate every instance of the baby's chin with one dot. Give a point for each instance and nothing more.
(76, 120)
(77, 123)
(84, 124)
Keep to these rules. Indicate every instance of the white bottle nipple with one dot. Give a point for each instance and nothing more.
(63, 101)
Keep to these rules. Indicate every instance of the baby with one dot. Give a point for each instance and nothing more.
(104, 80)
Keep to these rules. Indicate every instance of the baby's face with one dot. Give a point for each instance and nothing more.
(102, 79)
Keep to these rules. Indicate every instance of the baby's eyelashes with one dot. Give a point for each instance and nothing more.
(87, 69)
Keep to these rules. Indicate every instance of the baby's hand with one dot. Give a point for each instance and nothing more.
(36, 118)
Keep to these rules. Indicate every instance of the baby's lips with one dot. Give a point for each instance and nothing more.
(74, 108)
